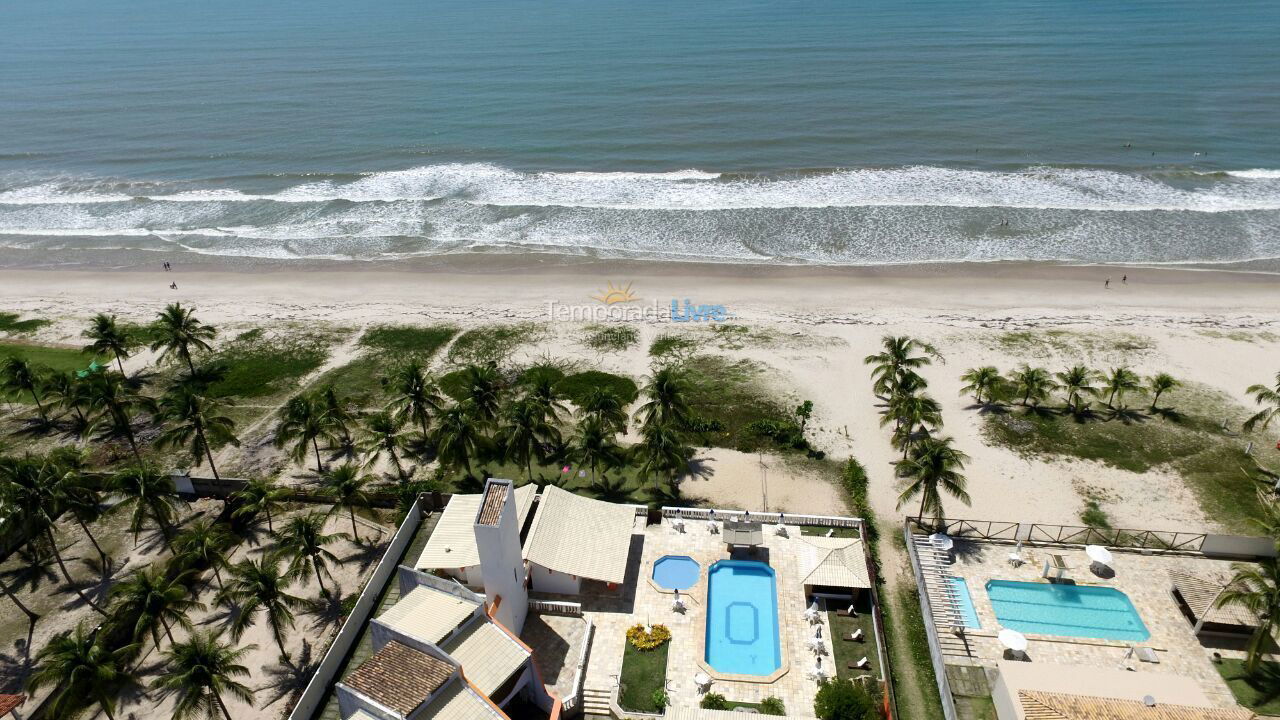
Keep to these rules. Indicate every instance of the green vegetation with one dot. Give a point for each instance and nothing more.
(10, 323)
(1093, 515)
(849, 651)
(495, 343)
(903, 619)
(644, 673)
(1258, 691)
(55, 358)
(576, 386)
(668, 346)
(730, 407)
(1241, 335)
(611, 338)
(842, 699)
(363, 380)
(257, 365)
(404, 340)
(1044, 343)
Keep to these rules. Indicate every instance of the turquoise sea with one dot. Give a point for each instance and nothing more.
(780, 131)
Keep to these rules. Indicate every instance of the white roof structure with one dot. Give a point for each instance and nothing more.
(576, 535)
(841, 563)
(459, 702)
(427, 614)
(487, 654)
(453, 541)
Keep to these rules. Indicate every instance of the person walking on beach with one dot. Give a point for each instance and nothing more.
(1107, 285)
(173, 286)
(1124, 279)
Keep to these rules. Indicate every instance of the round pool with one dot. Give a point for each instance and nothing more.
(675, 572)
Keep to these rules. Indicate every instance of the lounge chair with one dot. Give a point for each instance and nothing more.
(855, 636)
(847, 612)
(863, 664)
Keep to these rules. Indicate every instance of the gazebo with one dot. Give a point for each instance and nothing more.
(738, 533)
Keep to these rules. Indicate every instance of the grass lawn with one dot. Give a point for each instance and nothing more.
(731, 393)
(262, 366)
(847, 651)
(643, 672)
(58, 359)
(975, 708)
(1261, 692)
(1191, 443)
(902, 615)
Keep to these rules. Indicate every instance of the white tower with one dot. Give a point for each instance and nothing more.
(497, 529)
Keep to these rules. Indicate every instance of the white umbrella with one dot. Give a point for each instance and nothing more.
(1098, 554)
(818, 671)
(941, 541)
(816, 645)
(811, 614)
(1013, 640)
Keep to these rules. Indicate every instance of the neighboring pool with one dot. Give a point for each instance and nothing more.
(965, 601)
(675, 572)
(1071, 610)
(742, 618)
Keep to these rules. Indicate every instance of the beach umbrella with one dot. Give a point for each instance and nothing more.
(942, 541)
(1098, 554)
(1013, 640)
(816, 645)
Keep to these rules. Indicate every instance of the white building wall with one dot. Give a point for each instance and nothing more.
(501, 564)
(549, 581)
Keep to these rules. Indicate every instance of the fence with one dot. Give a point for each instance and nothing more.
(575, 694)
(686, 513)
(931, 633)
(553, 607)
(1049, 534)
(318, 688)
(222, 488)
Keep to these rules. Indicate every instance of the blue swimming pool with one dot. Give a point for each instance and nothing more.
(675, 572)
(965, 601)
(1071, 610)
(742, 618)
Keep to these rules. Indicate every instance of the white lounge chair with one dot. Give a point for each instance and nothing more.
(863, 664)
(855, 636)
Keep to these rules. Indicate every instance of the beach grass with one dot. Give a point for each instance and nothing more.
(1259, 692)
(727, 396)
(670, 345)
(493, 343)
(404, 340)
(1047, 343)
(260, 365)
(643, 672)
(362, 380)
(611, 338)
(13, 324)
(576, 386)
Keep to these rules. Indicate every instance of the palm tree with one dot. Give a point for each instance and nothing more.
(1264, 395)
(933, 466)
(258, 496)
(349, 489)
(29, 500)
(304, 538)
(108, 339)
(594, 445)
(157, 601)
(19, 376)
(195, 423)
(304, 421)
(31, 615)
(200, 671)
(260, 586)
(206, 541)
(910, 413)
(147, 494)
(525, 432)
(382, 434)
(340, 415)
(457, 438)
(541, 388)
(604, 405)
(1159, 384)
(77, 494)
(178, 332)
(71, 392)
(1256, 588)
(1032, 383)
(1120, 381)
(667, 399)
(1077, 381)
(79, 669)
(481, 390)
(890, 364)
(114, 395)
(982, 382)
(415, 397)
(661, 453)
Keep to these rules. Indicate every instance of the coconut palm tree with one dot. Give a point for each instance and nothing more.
(415, 398)
(80, 670)
(147, 495)
(541, 388)
(911, 413)
(206, 541)
(349, 489)
(933, 466)
(31, 615)
(1256, 588)
(604, 405)
(898, 358)
(458, 438)
(1268, 396)
(178, 332)
(525, 432)
(982, 382)
(594, 445)
(383, 434)
(482, 391)
(304, 538)
(341, 415)
(1120, 381)
(108, 339)
(304, 422)
(1077, 381)
(259, 496)
(71, 392)
(157, 601)
(120, 401)
(199, 671)
(259, 586)
(17, 375)
(1159, 384)
(195, 422)
(666, 403)
(1033, 384)
(74, 492)
(29, 500)
(661, 453)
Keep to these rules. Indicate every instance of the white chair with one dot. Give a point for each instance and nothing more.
(863, 664)
(855, 636)
(703, 681)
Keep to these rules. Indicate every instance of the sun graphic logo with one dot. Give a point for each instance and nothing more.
(615, 294)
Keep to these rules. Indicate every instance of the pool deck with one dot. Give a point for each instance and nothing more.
(641, 601)
(1143, 578)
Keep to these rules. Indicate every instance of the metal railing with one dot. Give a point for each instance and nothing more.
(1051, 534)
(686, 513)
(931, 633)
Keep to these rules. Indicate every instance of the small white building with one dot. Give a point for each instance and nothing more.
(452, 548)
(575, 538)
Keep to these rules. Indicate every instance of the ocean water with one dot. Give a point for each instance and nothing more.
(742, 131)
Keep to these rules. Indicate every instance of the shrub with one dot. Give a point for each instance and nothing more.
(714, 701)
(10, 323)
(660, 698)
(576, 386)
(843, 699)
(772, 706)
(671, 345)
(612, 337)
(402, 339)
(650, 639)
(854, 477)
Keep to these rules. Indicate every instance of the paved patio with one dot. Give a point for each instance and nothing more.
(641, 602)
(557, 642)
(1144, 578)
